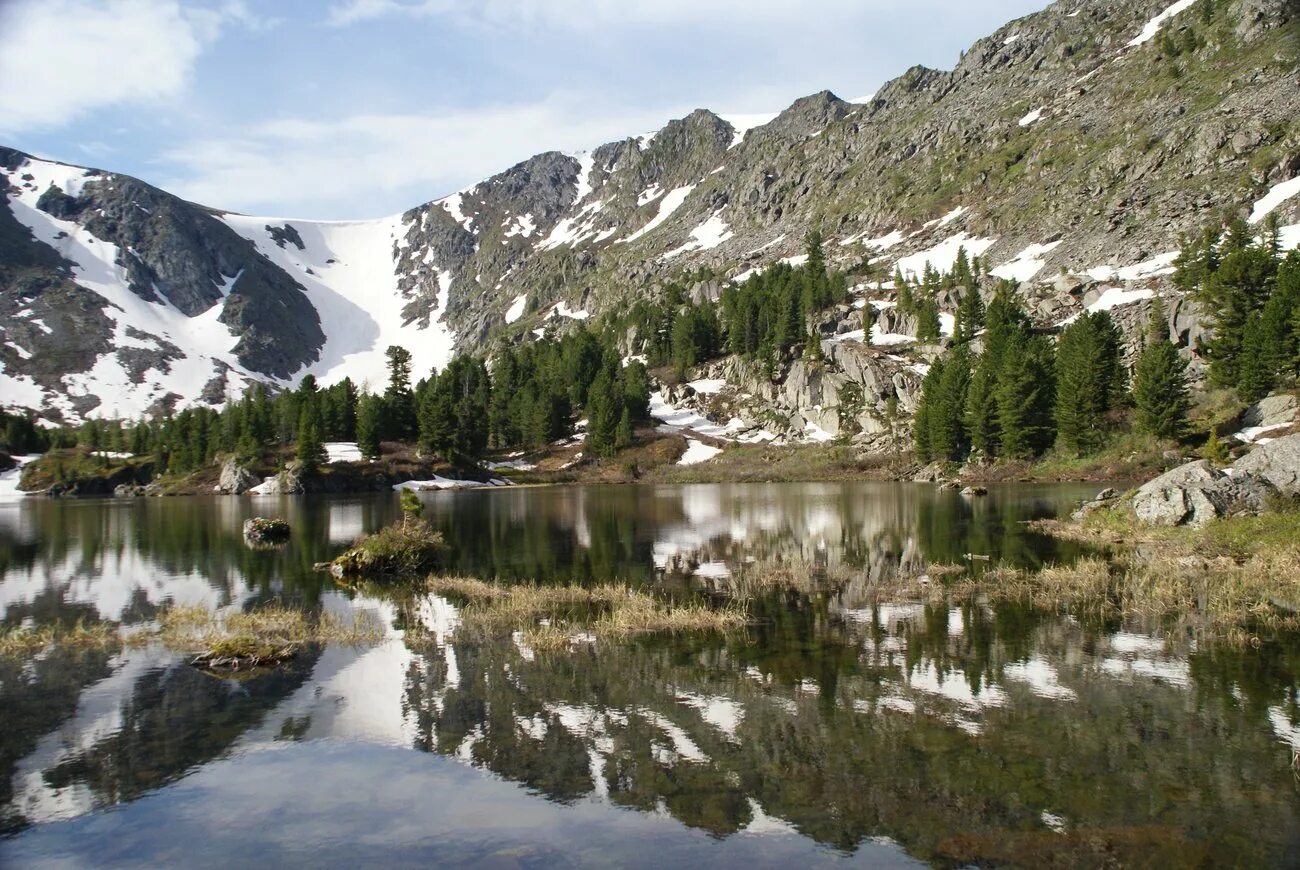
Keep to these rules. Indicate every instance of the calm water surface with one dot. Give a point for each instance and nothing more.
(836, 730)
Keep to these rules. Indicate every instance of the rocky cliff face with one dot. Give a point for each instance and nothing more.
(1070, 149)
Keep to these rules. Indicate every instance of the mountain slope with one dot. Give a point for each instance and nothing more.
(1083, 139)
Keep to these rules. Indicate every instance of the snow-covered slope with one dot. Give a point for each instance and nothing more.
(350, 274)
(203, 346)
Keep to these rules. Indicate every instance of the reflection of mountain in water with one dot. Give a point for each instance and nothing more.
(996, 726)
(123, 559)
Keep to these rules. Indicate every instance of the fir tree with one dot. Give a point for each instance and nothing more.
(927, 321)
(1160, 382)
(399, 418)
(369, 425)
(1025, 396)
(310, 452)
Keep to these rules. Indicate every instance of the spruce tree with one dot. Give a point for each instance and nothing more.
(310, 452)
(947, 420)
(970, 316)
(623, 434)
(369, 425)
(922, 426)
(399, 418)
(1160, 382)
(1025, 397)
(927, 321)
(604, 409)
(1089, 380)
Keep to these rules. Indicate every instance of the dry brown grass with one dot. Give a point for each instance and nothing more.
(268, 634)
(554, 617)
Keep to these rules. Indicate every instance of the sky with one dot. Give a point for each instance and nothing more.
(353, 109)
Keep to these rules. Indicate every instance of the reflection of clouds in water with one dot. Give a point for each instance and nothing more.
(99, 715)
(720, 712)
(1040, 676)
(110, 582)
(346, 522)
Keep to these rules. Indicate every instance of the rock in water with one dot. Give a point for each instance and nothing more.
(260, 530)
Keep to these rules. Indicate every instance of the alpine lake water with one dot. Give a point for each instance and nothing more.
(836, 729)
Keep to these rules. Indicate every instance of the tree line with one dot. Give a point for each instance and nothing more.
(1021, 393)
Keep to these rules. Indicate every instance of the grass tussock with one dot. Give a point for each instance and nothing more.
(26, 641)
(402, 548)
(218, 641)
(756, 579)
(556, 617)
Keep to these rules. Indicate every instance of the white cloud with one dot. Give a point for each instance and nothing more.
(63, 58)
(352, 166)
(586, 14)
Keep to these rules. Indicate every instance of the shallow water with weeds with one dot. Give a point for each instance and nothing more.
(842, 723)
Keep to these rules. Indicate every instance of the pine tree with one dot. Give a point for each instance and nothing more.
(1160, 382)
(1025, 396)
(947, 419)
(399, 418)
(927, 321)
(604, 409)
(310, 452)
(623, 434)
(970, 316)
(922, 425)
(369, 425)
(1089, 380)
(1214, 451)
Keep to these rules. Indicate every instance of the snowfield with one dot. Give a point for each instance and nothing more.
(1025, 265)
(205, 342)
(944, 255)
(352, 284)
(671, 201)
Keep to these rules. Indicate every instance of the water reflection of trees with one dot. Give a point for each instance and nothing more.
(1170, 771)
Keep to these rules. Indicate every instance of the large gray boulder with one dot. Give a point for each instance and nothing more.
(1196, 493)
(1278, 462)
(1272, 411)
(235, 479)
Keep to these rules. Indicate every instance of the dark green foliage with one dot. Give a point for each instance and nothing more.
(1235, 280)
(310, 453)
(370, 411)
(1090, 380)
(1160, 382)
(399, 419)
(1025, 396)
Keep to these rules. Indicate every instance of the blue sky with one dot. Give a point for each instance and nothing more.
(360, 108)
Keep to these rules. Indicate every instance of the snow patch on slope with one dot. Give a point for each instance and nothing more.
(943, 255)
(1026, 264)
(707, 235)
(1277, 194)
(1152, 27)
(671, 201)
(349, 271)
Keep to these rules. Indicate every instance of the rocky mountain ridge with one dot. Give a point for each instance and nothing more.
(1069, 149)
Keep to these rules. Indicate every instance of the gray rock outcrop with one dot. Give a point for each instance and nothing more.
(235, 478)
(1277, 462)
(1196, 493)
(1272, 411)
